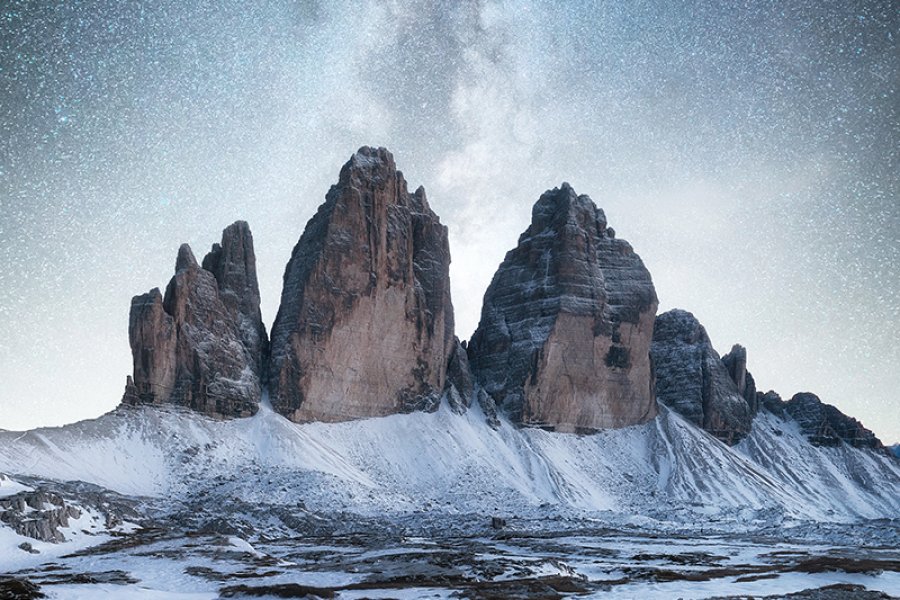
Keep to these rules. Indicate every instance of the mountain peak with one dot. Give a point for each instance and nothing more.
(562, 206)
(202, 344)
(365, 325)
(185, 258)
(692, 379)
(369, 163)
(565, 329)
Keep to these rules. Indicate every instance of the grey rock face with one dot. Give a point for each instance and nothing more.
(565, 329)
(736, 363)
(203, 344)
(233, 263)
(460, 386)
(695, 382)
(825, 425)
(771, 402)
(37, 514)
(365, 325)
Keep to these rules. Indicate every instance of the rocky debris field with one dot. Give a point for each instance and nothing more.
(348, 556)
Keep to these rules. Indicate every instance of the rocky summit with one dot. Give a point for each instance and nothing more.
(365, 325)
(202, 345)
(565, 330)
(695, 382)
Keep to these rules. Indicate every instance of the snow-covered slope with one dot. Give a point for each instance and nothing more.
(444, 462)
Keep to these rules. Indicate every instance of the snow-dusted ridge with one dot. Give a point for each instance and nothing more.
(665, 469)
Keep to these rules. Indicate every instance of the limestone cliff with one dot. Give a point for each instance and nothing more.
(365, 325)
(202, 345)
(565, 330)
(693, 380)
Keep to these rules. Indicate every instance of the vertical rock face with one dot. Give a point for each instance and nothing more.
(565, 331)
(460, 386)
(233, 264)
(736, 363)
(771, 402)
(825, 425)
(152, 335)
(202, 345)
(365, 325)
(695, 382)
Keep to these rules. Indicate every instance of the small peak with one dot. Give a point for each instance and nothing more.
(737, 352)
(154, 296)
(236, 235)
(678, 324)
(678, 314)
(807, 398)
(562, 204)
(368, 163)
(369, 157)
(238, 228)
(421, 200)
(186, 259)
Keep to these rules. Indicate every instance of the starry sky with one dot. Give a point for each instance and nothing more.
(747, 150)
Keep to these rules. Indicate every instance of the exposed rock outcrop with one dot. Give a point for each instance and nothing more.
(695, 382)
(365, 325)
(233, 263)
(825, 425)
(460, 385)
(736, 363)
(202, 345)
(37, 514)
(771, 402)
(565, 329)
(822, 424)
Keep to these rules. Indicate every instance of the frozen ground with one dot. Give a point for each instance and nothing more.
(362, 559)
(402, 507)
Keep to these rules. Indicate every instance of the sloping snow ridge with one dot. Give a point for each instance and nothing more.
(665, 469)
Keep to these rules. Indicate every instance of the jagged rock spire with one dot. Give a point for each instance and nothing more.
(202, 344)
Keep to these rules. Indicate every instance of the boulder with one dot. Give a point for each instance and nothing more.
(564, 337)
(365, 324)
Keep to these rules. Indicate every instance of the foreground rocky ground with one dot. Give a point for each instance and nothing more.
(472, 556)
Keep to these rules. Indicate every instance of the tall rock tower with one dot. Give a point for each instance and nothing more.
(202, 345)
(565, 330)
(365, 325)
